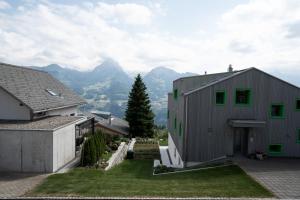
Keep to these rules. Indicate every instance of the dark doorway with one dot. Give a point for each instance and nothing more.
(240, 143)
(88, 126)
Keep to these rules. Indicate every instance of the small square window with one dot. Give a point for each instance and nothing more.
(298, 104)
(220, 98)
(242, 96)
(180, 129)
(275, 148)
(175, 93)
(175, 123)
(277, 111)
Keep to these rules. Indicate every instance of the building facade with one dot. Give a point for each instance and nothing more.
(38, 121)
(214, 116)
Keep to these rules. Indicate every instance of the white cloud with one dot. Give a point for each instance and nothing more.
(261, 33)
(4, 5)
(133, 14)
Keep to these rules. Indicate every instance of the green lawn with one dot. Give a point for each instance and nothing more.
(134, 178)
(163, 142)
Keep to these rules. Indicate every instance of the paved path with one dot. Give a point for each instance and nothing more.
(17, 184)
(165, 156)
(279, 175)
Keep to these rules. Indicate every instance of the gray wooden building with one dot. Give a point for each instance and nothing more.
(237, 112)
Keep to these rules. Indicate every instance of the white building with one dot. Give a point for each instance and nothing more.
(38, 120)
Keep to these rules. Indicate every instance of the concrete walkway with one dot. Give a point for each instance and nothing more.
(17, 184)
(71, 165)
(279, 175)
(164, 154)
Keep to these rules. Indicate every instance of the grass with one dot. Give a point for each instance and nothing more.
(133, 178)
(106, 156)
(161, 135)
(163, 142)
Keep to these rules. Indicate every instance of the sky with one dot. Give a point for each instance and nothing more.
(190, 35)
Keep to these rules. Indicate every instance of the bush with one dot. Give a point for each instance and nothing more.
(88, 154)
(130, 155)
(99, 140)
(93, 149)
(162, 169)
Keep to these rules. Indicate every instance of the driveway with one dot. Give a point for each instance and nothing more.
(17, 184)
(279, 175)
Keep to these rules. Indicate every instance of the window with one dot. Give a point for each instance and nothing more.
(175, 123)
(298, 104)
(51, 92)
(242, 96)
(168, 114)
(298, 136)
(275, 149)
(175, 93)
(40, 114)
(180, 129)
(277, 111)
(220, 97)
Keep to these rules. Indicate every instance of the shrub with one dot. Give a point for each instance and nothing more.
(130, 155)
(88, 154)
(99, 140)
(162, 169)
(93, 149)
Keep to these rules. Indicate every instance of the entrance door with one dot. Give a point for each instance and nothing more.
(240, 143)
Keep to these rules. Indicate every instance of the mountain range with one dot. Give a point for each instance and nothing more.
(107, 86)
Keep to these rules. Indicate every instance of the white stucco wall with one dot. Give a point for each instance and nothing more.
(174, 155)
(37, 150)
(26, 151)
(63, 146)
(64, 111)
(10, 108)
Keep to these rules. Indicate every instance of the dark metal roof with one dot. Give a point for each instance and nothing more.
(229, 76)
(118, 125)
(32, 87)
(208, 77)
(216, 78)
(194, 82)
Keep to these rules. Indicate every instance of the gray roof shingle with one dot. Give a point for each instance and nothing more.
(30, 87)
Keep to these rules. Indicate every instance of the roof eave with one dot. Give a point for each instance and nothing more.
(57, 108)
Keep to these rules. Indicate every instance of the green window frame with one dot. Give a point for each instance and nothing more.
(175, 123)
(175, 94)
(275, 149)
(277, 111)
(180, 129)
(298, 136)
(242, 96)
(220, 97)
(298, 104)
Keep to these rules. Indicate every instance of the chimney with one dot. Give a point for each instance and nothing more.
(205, 72)
(109, 119)
(230, 68)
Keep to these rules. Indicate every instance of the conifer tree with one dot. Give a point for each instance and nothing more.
(138, 113)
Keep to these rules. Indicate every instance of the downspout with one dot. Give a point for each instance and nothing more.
(185, 131)
(31, 114)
